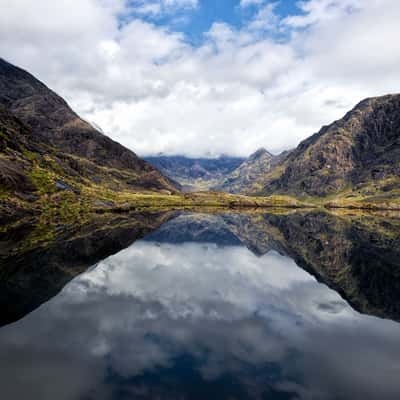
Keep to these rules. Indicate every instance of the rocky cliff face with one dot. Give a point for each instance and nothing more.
(250, 172)
(49, 127)
(359, 153)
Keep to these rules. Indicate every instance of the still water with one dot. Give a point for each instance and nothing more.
(198, 306)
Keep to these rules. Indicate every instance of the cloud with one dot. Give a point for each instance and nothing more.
(181, 3)
(317, 11)
(261, 321)
(239, 89)
(247, 3)
(265, 19)
(148, 9)
(159, 7)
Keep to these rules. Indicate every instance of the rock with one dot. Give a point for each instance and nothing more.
(63, 186)
(104, 204)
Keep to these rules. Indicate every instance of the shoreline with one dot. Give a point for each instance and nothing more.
(67, 206)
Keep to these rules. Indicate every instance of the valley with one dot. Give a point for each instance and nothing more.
(54, 163)
(196, 174)
(199, 200)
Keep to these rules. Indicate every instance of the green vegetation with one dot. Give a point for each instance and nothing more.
(29, 155)
(82, 200)
(43, 180)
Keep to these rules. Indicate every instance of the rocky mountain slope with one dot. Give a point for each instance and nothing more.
(250, 171)
(46, 148)
(195, 173)
(357, 156)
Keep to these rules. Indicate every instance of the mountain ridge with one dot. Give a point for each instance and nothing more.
(255, 166)
(53, 123)
(199, 173)
(359, 150)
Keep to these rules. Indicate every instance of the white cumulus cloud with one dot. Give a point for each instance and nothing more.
(240, 89)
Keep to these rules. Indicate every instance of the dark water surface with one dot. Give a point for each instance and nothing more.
(198, 306)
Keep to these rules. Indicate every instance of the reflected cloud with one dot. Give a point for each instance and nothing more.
(198, 320)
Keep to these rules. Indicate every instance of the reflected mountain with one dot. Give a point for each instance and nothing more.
(37, 261)
(358, 255)
(215, 307)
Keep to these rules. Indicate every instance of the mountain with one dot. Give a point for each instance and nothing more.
(357, 156)
(200, 228)
(46, 147)
(250, 171)
(195, 173)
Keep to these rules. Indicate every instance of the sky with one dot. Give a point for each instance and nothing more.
(205, 78)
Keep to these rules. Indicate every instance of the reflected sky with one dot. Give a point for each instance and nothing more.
(198, 320)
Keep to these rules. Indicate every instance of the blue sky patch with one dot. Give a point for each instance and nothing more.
(194, 22)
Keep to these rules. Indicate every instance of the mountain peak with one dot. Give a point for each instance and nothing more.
(261, 152)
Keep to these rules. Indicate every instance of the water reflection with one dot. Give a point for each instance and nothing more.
(38, 260)
(218, 310)
(358, 255)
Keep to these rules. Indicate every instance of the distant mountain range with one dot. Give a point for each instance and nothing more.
(226, 174)
(196, 173)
